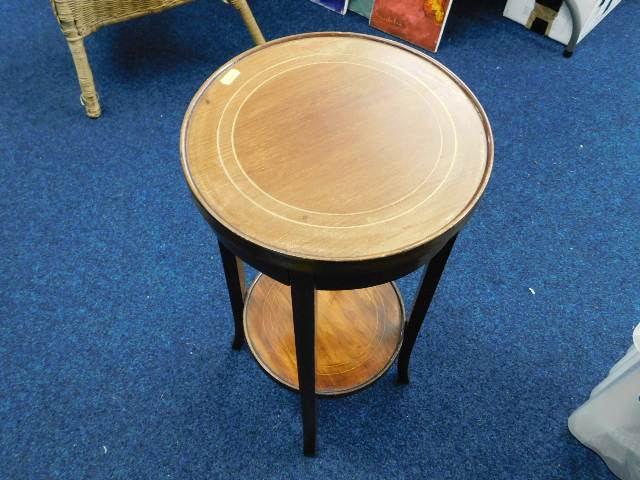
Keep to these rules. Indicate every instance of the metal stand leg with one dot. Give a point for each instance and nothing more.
(576, 27)
(234, 273)
(303, 301)
(428, 285)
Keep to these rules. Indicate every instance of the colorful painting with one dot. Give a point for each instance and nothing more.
(361, 7)
(420, 22)
(339, 6)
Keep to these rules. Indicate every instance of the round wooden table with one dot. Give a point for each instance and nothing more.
(334, 163)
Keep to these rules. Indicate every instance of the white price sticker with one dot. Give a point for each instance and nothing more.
(230, 76)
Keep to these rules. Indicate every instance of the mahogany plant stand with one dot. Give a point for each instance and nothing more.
(333, 163)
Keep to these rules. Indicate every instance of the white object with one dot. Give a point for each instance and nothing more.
(609, 422)
(591, 13)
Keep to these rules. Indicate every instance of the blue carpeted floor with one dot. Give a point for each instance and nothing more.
(115, 328)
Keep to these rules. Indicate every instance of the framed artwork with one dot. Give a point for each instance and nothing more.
(339, 6)
(361, 7)
(420, 22)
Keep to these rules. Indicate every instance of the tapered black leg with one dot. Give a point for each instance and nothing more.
(428, 285)
(234, 273)
(303, 301)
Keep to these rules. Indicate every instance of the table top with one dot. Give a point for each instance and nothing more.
(336, 147)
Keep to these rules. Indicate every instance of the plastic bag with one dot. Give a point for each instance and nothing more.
(609, 422)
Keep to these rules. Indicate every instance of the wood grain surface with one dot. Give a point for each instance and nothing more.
(358, 333)
(336, 147)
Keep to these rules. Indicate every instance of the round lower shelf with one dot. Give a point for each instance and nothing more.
(358, 334)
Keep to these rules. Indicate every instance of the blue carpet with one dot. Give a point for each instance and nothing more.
(115, 328)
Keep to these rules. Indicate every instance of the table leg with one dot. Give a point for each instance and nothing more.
(428, 285)
(303, 302)
(234, 273)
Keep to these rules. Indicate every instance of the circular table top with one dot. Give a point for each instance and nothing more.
(336, 147)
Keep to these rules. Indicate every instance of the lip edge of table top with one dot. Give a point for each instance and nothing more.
(460, 218)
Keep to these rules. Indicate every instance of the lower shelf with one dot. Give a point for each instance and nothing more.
(358, 334)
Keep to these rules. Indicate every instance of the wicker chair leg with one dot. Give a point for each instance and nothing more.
(249, 20)
(89, 96)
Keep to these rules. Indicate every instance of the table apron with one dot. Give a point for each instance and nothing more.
(330, 275)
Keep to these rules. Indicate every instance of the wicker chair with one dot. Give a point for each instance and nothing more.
(79, 18)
